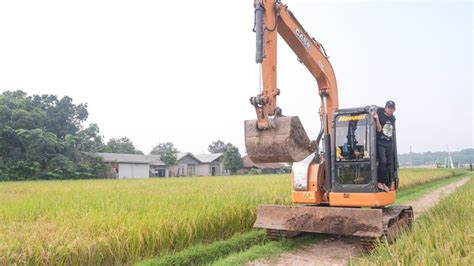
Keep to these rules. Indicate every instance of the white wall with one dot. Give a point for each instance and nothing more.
(202, 170)
(128, 170)
(205, 169)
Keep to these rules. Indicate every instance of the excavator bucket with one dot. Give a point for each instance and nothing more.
(286, 141)
(360, 222)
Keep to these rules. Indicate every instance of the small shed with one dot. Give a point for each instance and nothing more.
(133, 165)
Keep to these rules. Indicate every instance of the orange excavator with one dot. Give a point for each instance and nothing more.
(334, 178)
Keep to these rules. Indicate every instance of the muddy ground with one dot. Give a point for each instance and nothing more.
(338, 250)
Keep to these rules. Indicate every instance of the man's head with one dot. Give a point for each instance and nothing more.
(389, 108)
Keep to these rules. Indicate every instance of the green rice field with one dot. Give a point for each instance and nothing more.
(125, 221)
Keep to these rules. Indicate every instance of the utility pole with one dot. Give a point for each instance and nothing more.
(451, 164)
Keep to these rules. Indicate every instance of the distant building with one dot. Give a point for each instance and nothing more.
(200, 165)
(211, 164)
(145, 166)
(266, 168)
(134, 165)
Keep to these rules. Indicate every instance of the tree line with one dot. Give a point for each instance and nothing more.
(44, 137)
(464, 157)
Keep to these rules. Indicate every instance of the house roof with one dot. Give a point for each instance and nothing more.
(182, 155)
(154, 159)
(131, 158)
(208, 158)
(202, 158)
(249, 164)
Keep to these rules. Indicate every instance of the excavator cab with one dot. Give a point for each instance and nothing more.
(354, 164)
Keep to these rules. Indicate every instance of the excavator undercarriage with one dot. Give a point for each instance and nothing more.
(367, 224)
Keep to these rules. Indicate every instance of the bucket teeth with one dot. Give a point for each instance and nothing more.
(286, 141)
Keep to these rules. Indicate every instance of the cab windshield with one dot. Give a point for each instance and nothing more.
(352, 142)
(352, 149)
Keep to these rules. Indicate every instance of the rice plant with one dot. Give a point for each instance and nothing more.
(442, 236)
(124, 221)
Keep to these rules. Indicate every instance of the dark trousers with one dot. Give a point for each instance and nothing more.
(385, 159)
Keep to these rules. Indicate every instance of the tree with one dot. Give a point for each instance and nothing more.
(90, 140)
(232, 158)
(42, 137)
(164, 147)
(217, 147)
(64, 117)
(122, 145)
(168, 154)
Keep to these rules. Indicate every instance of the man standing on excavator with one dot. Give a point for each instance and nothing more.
(385, 122)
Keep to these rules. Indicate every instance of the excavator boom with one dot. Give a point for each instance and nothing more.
(263, 134)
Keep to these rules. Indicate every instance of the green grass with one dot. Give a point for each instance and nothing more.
(204, 254)
(234, 251)
(412, 193)
(267, 250)
(124, 221)
(410, 177)
(442, 236)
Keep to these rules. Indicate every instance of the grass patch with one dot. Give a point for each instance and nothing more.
(441, 236)
(205, 254)
(410, 177)
(267, 250)
(412, 193)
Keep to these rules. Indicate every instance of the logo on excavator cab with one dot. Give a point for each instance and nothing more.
(302, 38)
(344, 118)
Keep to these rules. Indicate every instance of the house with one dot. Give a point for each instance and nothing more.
(211, 164)
(145, 166)
(187, 164)
(267, 168)
(134, 165)
(200, 165)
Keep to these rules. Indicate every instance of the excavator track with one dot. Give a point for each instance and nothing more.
(395, 220)
(282, 234)
(369, 225)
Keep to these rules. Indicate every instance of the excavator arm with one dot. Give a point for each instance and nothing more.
(272, 137)
(272, 18)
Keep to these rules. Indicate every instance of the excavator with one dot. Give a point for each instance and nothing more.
(334, 178)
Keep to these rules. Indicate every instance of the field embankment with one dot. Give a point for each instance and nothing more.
(124, 221)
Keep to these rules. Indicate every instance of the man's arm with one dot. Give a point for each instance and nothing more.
(377, 122)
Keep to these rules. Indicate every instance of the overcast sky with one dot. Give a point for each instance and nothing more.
(182, 71)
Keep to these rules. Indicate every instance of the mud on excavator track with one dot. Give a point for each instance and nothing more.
(369, 225)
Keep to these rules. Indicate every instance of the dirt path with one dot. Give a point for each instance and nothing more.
(337, 251)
